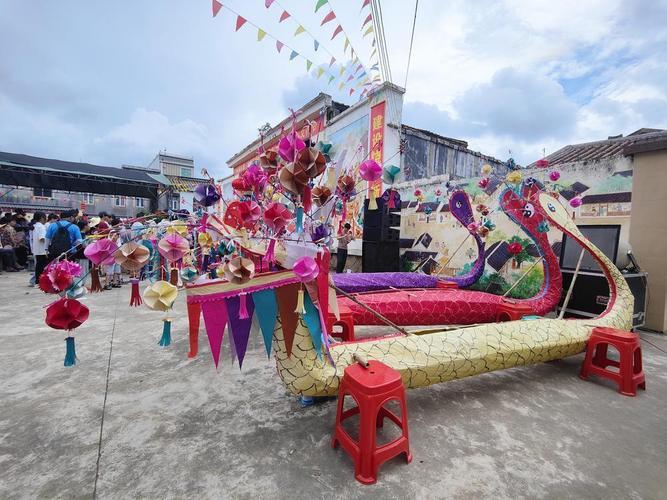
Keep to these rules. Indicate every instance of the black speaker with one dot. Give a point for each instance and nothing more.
(591, 294)
(381, 224)
(380, 257)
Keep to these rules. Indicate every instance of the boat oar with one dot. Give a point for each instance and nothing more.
(569, 290)
(370, 310)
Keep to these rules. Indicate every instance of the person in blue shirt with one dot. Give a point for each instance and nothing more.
(67, 221)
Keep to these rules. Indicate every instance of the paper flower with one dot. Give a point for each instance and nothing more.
(204, 240)
(66, 314)
(320, 195)
(514, 177)
(325, 149)
(311, 161)
(101, 251)
(241, 185)
(306, 268)
(268, 160)
(345, 186)
(482, 209)
(173, 247)
(276, 216)
(189, 274)
(206, 194)
(473, 226)
(68, 267)
(390, 173)
(132, 256)
(293, 178)
(160, 296)
(177, 227)
(255, 177)
(542, 163)
(486, 169)
(239, 270)
(483, 231)
(515, 248)
(554, 175)
(240, 214)
(370, 170)
(55, 279)
(576, 202)
(321, 233)
(289, 146)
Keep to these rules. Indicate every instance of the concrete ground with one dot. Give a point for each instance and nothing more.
(170, 427)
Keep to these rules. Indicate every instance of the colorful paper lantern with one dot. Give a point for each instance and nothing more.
(132, 256)
(276, 216)
(239, 270)
(370, 170)
(160, 296)
(206, 194)
(66, 314)
(173, 247)
(101, 252)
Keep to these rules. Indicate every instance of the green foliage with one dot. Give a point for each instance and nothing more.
(522, 256)
(529, 286)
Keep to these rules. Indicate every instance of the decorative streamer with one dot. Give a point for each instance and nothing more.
(299, 219)
(338, 30)
(240, 327)
(260, 34)
(293, 55)
(311, 318)
(286, 296)
(215, 320)
(267, 3)
(240, 21)
(216, 7)
(329, 17)
(135, 297)
(283, 16)
(70, 351)
(299, 30)
(265, 301)
(165, 340)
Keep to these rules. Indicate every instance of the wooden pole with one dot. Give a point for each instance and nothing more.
(369, 309)
(569, 290)
(523, 276)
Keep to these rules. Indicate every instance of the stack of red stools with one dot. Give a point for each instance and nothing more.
(510, 310)
(346, 322)
(630, 374)
(372, 387)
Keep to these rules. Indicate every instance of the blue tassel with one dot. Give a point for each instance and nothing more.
(70, 353)
(299, 220)
(166, 334)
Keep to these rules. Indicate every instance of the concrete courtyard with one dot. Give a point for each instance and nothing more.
(163, 426)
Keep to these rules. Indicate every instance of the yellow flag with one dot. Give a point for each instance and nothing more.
(369, 30)
(320, 72)
(342, 70)
(308, 65)
(299, 30)
(260, 34)
(342, 84)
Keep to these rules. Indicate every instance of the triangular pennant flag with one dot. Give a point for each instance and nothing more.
(342, 84)
(293, 55)
(373, 42)
(265, 301)
(279, 45)
(351, 91)
(287, 298)
(308, 64)
(342, 70)
(299, 30)
(331, 79)
(375, 66)
(216, 6)
(369, 30)
(316, 44)
(350, 77)
(319, 4)
(215, 320)
(366, 2)
(283, 16)
(363, 73)
(338, 29)
(367, 20)
(375, 51)
(320, 72)
(240, 21)
(329, 17)
(347, 43)
(333, 60)
(267, 3)
(312, 320)
(240, 327)
(260, 34)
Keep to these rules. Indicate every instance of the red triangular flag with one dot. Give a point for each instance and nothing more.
(350, 78)
(216, 7)
(329, 17)
(215, 319)
(366, 2)
(351, 91)
(367, 20)
(283, 16)
(336, 31)
(279, 45)
(267, 3)
(240, 21)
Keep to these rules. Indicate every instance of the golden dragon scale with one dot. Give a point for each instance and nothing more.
(453, 354)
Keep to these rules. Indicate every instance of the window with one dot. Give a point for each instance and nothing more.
(139, 202)
(89, 198)
(173, 204)
(119, 201)
(186, 172)
(42, 192)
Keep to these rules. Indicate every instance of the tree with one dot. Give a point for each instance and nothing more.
(523, 255)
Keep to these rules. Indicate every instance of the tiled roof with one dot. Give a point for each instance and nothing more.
(622, 197)
(433, 205)
(184, 184)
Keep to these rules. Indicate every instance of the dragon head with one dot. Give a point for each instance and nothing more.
(459, 205)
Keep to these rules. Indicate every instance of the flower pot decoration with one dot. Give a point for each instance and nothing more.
(277, 216)
(268, 160)
(132, 256)
(173, 247)
(67, 314)
(483, 182)
(321, 194)
(160, 296)
(239, 270)
(206, 194)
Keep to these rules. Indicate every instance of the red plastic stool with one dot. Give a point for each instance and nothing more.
(630, 374)
(346, 322)
(371, 387)
(509, 310)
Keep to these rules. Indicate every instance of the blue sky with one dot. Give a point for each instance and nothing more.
(114, 82)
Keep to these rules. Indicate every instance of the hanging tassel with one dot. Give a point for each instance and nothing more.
(270, 255)
(95, 284)
(372, 203)
(70, 353)
(392, 202)
(343, 215)
(135, 298)
(243, 310)
(174, 276)
(300, 307)
(166, 333)
(307, 198)
(299, 219)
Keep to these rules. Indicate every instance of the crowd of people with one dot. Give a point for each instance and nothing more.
(47, 237)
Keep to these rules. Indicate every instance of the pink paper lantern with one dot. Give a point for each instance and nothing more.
(101, 251)
(306, 269)
(370, 170)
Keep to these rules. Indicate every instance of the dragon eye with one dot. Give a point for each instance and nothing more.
(528, 210)
(459, 204)
(551, 207)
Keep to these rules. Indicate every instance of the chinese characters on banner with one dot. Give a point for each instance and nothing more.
(377, 144)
